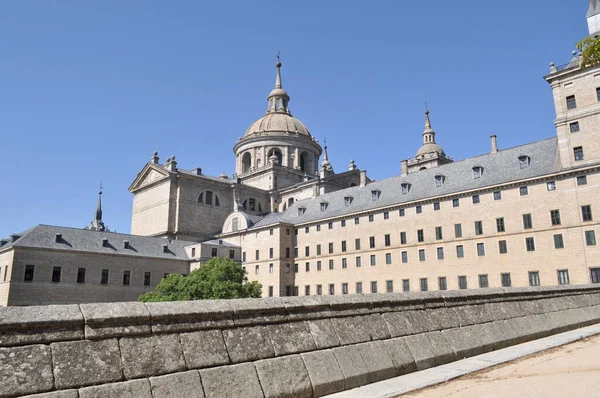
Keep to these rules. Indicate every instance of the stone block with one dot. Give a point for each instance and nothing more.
(377, 327)
(347, 305)
(484, 337)
(177, 385)
(398, 324)
(351, 330)
(231, 381)
(305, 307)
(127, 389)
(290, 338)
(184, 316)
(464, 341)
(248, 343)
(325, 374)
(418, 324)
(203, 349)
(25, 370)
(104, 320)
(441, 348)
(502, 335)
(284, 377)
(421, 350)
(40, 324)
(323, 333)
(440, 318)
(261, 311)
(151, 355)
(352, 365)
(55, 394)
(378, 361)
(403, 360)
(84, 363)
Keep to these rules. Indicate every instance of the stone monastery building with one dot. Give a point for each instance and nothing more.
(522, 216)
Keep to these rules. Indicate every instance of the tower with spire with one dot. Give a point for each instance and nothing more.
(97, 224)
(430, 154)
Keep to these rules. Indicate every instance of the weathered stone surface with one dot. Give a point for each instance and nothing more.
(151, 355)
(249, 343)
(177, 385)
(421, 350)
(323, 333)
(464, 341)
(204, 348)
(441, 348)
(25, 370)
(403, 360)
(187, 316)
(352, 365)
(84, 363)
(40, 324)
(351, 330)
(127, 389)
(325, 374)
(231, 381)
(290, 338)
(348, 305)
(398, 324)
(305, 307)
(257, 311)
(440, 318)
(377, 327)
(284, 377)
(418, 324)
(104, 320)
(378, 361)
(55, 394)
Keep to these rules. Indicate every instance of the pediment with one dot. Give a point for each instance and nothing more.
(149, 175)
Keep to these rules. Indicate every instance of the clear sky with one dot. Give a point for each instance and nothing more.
(88, 90)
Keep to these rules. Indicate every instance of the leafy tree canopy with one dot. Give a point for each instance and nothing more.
(218, 278)
(590, 50)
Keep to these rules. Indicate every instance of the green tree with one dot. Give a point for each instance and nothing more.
(590, 51)
(218, 278)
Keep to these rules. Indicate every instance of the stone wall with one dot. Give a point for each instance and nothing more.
(272, 347)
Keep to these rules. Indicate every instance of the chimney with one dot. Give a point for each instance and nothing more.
(494, 144)
(403, 167)
(58, 238)
(363, 178)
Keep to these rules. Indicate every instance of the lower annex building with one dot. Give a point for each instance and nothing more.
(512, 217)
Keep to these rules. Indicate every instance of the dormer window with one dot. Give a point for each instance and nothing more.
(324, 206)
(348, 200)
(375, 194)
(301, 210)
(105, 242)
(125, 244)
(477, 172)
(439, 180)
(405, 188)
(524, 161)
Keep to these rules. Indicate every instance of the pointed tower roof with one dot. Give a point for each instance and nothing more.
(429, 145)
(97, 224)
(325, 165)
(594, 8)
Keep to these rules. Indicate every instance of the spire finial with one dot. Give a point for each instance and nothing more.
(97, 224)
(278, 65)
(325, 157)
(427, 121)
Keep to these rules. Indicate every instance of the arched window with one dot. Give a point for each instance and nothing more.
(208, 198)
(477, 171)
(276, 152)
(439, 180)
(524, 161)
(303, 161)
(246, 162)
(405, 188)
(235, 224)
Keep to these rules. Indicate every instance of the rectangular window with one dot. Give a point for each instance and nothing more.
(558, 241)
(287, 268)
(462, 282)
(578, 153)
(419, 209)
(287, 253)
(257, 269)
(442, 284)
(386, 215)
(478, 227)
(420, 237)
(598, 93)
(571, 103)
(551, 185)
(358, 262)
(530, 244)
(343, 223)
(80, 275)
(193, 252)
(404, 257)
(475, 199)
(330, 247)
(232, 254)
(295, 268)
(460, 251)
(527, 221)
(331, 289)
(271, 268)
(534, 278)
(343, 246)
(307, 267)
(424, 286)
(371, 218)
(458, 230)
(402, 238)
(372, 242)
(582, 180)
(590, 238)
(256, 256)
(374, 287)
(319, 290)
(270, 291)
(344, 263)
(356, 220)
(5, 273)
(500, 224)
(357, 244)
(389, 286)
(483, 281)
(405, 285)
(214, 252)
(563, 276)
(502, 247)
(523, 191)
(318, 265)
(388, 258)
(421, 254)
(358, 287)
(555, 217)
(438, 233)
(330, 225)
(344, 288)
(56, 271)
(29, 271)
(373, 259)
(126, 277)
(270, 252)
(497, 195)
(387, 239)
(574, 127)
(436, 206)
(595, 275)
(455, 202)
(586, 213)
(318, 250)
(440, 253)
(307, 290)
(480, 249)
(104, 277)
(319, 228)
(505, 279)
(401, 212)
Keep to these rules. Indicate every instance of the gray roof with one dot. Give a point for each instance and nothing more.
(81, 240)
(594, 8)
(500, 168)
(218, 242)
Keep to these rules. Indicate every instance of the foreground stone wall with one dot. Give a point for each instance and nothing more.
(273, 347)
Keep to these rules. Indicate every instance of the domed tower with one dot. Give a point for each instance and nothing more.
(429, 154)
(276, 142)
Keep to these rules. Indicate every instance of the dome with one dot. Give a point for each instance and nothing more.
(277, 123)
(429, 147)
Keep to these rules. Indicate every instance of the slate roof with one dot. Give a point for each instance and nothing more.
(81, 240)
(500, 168)
(219, 242)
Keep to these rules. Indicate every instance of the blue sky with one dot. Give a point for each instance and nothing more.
(88, 90)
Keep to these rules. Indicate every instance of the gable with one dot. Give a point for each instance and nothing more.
(149, 174)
